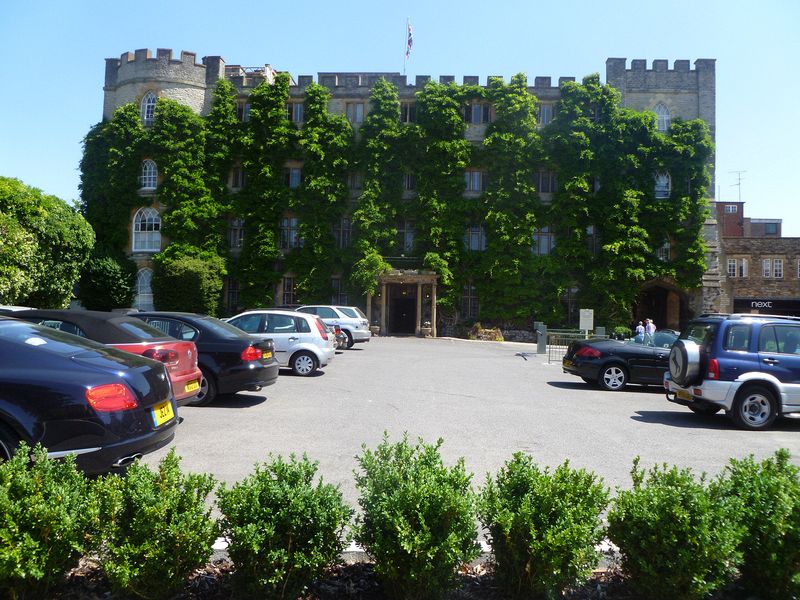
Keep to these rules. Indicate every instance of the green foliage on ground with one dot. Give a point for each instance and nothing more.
(678, 536)
(417, 517)
(769, 495)
(283, 528)
(45, 516)
(154, 527)
(543, 526)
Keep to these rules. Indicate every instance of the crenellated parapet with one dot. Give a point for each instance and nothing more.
(129, 77)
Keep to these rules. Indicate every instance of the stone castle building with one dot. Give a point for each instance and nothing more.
(681, 91)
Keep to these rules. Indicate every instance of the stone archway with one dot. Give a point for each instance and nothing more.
(665, 303)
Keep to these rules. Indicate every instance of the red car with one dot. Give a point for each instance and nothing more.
(132, 335)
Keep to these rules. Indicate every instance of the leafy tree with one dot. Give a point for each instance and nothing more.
(61, 238)
(107, 282)
(188, 283)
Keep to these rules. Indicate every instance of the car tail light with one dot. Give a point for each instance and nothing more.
(337, 330)
(251, 353)
(713, 369)
(588, 352)
(322, 331)
(164, 355)
(111, 397)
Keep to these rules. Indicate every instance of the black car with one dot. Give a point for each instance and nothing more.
(231, 360)
(77, 396)
(612, 364)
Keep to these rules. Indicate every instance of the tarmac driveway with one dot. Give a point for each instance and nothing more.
(483, 398)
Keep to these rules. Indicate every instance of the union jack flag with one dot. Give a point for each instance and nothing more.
(410, 41)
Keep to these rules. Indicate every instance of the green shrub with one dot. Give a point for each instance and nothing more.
(543, 527)
(283, 530)
(154, 527)
(418, 517)
(678, 537)
(622, 330)
(107, 282)
(186, 283)
(43, 521)
(770, 514)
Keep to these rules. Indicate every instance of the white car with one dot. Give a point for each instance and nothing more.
(353, 322)
(302, 342)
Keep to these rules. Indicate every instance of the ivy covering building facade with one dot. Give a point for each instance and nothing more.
(437, 201)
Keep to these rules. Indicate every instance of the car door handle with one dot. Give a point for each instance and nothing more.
(772, 361)
(660, 356)
(293, 339)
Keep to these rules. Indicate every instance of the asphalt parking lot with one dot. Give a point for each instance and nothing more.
(483, 398)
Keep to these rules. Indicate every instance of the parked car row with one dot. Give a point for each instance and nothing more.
(106, 386)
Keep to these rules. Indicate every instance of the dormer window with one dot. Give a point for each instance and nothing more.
(148, 108)
(149, 177)
(664, 119)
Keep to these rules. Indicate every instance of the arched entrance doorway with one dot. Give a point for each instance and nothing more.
(665, 303)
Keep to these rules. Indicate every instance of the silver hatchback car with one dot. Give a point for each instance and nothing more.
(353, 322)
(302, 341)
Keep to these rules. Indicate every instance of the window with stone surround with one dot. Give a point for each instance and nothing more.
(737, 267)
(289, 290)
(742, 267)
(148, 179)
(478, 112)
(469, 301)
(148, 108)
(408, 112)
(543, 242)
(545, 182)
(294, 112)
(662, 252)
(339, 294)
(731, 209)
(243, 111)
(342, 231)
(290, 235)
(475, 238)
(663, 187)
(144, 290)
(293, 177)
(235, 233)
(409, 182)
(731, 267)
(777, 268)
(475, 180)
(355, 112)
(405, 236)
(146, 230)
(238, 177)
(663, 116)
(545, 114)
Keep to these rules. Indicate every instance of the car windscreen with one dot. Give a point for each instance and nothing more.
(352, 312)
(141, 329)
(223, 329)
(47, 338)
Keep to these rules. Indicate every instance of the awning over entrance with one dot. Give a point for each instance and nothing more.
(405, 303)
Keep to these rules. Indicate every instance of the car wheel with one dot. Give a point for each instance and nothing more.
(8, 442)
(754, 408)
(208, 391)
(350, 341)
(684, 362)
(705, 409)
(613, 378)
(304, 364)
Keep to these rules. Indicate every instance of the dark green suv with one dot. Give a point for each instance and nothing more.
(746, 364)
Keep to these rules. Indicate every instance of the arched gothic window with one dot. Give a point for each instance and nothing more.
(144, 290)
(148, 108)
(149, 177)
(146, 230)
(663, 185)
(664, 119)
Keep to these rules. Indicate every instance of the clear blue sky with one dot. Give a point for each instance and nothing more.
(53, 55)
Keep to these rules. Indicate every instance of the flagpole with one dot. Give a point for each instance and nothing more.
(405, 51)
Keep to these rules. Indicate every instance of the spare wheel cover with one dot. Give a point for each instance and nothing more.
(684, 362)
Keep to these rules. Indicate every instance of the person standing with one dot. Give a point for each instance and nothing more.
(639, 331)
(649, 329)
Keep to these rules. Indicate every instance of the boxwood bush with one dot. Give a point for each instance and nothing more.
(678, 536)
(43, 521)
(154, 528)
(769, 494)
(417, 517)
(283, 529)
(543, 527)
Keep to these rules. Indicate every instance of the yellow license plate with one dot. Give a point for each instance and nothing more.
(268, 354)
(684, 395)
(193, 386)
(163, 413)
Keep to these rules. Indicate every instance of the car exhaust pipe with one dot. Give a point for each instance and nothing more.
(126, 460)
